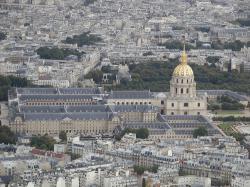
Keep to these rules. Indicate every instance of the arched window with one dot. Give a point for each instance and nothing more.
(182, 91)
(187, 80)
(187, 90)
(181, 80)
(176, 91)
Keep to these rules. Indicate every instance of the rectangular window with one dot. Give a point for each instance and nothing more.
(185, 104)
(172, 104)
(199, 104)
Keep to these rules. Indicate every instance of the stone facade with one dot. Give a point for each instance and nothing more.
(183, 98)
(69, 124)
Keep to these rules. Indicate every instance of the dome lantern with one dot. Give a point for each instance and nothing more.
(183, 69)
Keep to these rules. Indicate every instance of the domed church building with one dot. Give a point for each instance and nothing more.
(183, 98)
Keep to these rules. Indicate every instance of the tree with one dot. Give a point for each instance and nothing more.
(144, 184)
(156, 76)
(142, 133)
(201, 131)
(176, 44)
(213, 59)
(227, 103)
(6, 82)
(149, 53)
(96, 75)
(213, 107)
(83, 39)
(139, 169)
(7, 136)
(154, 168)
(3, 36)
(56, 53)
(231, 118)
(63, 136)
(232, 106)
(43, 142)
(238, 136)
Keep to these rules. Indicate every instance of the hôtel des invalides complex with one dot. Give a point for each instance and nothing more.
(91, 111)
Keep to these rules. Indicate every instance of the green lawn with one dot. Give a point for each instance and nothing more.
(226, 128)
(228, 112)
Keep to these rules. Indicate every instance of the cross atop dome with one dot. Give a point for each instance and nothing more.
(183, 69)
(184, 55)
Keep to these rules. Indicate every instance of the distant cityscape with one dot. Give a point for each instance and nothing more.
(126, 93)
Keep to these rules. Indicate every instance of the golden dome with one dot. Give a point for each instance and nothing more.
(183, 69)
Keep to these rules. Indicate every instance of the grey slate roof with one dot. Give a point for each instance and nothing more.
(145, 94)
(63, 91)
(36, 91)
(152, 125)
(133, 108)
(81, 91)
(229, 93)
(41, 109)
(185, 117)
(63, 109)
(53, 97)
(87, 108)
(185, 124)
(67, 116)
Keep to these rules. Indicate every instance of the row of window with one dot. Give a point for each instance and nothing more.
(186, 105)
(182, 90)
(94, 131)
(56, 104)
(185, 113)
(182, 81)
(133, 103)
